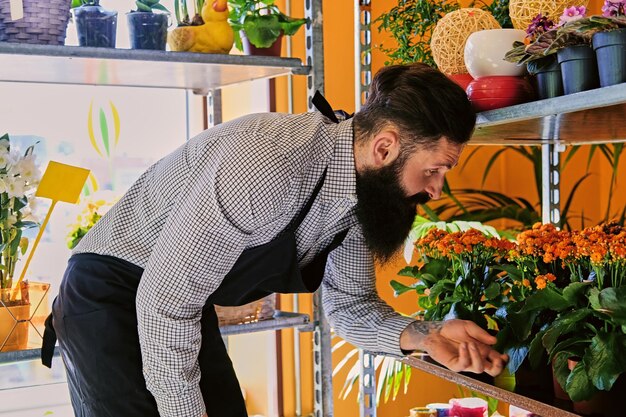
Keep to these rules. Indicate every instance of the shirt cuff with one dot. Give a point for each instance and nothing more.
(389, 334)
(191, 405)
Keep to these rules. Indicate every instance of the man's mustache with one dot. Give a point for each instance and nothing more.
(419, 198)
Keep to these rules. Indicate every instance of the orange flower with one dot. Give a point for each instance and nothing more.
(550, 277)
(526, 282)
(541, 282)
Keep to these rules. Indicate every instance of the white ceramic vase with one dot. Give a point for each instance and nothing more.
(485, 50)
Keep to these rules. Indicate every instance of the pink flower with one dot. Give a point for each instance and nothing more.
(613, 8)
(571, 14)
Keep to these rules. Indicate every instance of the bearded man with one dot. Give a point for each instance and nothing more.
(265, 203)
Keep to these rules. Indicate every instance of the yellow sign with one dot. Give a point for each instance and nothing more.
(62, 182)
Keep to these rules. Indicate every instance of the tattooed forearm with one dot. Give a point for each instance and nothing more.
(414, 336)
(426, 327)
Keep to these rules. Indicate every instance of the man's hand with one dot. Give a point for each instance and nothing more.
(459, 345)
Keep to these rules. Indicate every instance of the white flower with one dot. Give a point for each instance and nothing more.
(6, 159)
(16, 188)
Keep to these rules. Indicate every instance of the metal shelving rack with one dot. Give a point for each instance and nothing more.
(203, 74)
(589, 117)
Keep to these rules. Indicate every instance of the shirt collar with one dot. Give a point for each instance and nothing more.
(340, 180)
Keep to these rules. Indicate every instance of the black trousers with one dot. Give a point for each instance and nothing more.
(96, 324)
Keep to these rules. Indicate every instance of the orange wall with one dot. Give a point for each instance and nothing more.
(510, 175)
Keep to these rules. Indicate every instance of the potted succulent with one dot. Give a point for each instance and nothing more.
(95, 25)
(259, 26)
(147, 26)
(207, 31)
(18, 178)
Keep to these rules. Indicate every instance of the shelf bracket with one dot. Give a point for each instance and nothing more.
(550, 171)
(322, 361)
(367, 385)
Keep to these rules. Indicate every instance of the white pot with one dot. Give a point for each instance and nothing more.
(485, 50)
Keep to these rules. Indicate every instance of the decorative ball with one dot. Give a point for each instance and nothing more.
(448, 40)
(488, 93)
(485, 51)
(522, 12)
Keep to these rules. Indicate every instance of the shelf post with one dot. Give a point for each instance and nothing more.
(322, 354)
(550, 172)
(362, 81)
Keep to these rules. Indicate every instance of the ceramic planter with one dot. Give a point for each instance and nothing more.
(95, 26)
(485, 50)
(610, 48)
(147, 30)
(579, 71)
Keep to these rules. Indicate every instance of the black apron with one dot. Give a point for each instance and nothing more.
(94, 317)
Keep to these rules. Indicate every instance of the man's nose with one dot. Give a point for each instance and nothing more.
(434, 189)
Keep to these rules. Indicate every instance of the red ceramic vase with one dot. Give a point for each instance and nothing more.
(489, 93)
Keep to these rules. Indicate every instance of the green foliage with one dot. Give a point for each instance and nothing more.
(262, 22)
(78, 3)
(411, 24)
(500, 10)
(150, 6)
(181, 11)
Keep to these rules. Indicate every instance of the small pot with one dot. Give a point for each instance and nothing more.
(95, 26)
(610, 48)
(548, 76)
(579, 70)
(250, 49)
(147, 30)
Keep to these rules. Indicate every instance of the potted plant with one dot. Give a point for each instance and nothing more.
(95, 25)
(259, 26)
(585, 337)
(532, 53)
(207, 31)
(608, 37)
(18, 178)
(147, 26)
(95, 206)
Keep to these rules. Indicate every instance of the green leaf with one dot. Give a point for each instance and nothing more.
(594, 298)
(399, 288)
(564, 325)
(578, 385)
(612, 301)
(160, 7)
(560, 368)
(409, 271)
(547, 298)
(603, 359)
(522, 323)
(262, 31)
(492, 291)
(290, 25)
(575, 292)
(536, 351)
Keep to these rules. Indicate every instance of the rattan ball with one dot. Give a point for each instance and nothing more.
(448, 41)
(522, 12)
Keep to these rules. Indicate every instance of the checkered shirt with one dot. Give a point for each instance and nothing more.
(189, 217)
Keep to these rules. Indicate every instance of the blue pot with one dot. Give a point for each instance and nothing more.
(579, 70)
(95, 26)
(147, 30)
(610, 50)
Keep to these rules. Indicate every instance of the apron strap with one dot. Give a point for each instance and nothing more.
(324, 107)
(49, 340)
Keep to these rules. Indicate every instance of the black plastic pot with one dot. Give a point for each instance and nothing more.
(147, 30)
(610, 50)
(95, 26)
(548, 76)
(579, 70)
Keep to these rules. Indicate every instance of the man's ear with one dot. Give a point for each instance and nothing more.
(384, 147)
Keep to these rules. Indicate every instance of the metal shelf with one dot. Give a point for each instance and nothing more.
(589, 117)
(281, 320)
(201, 73)
(521, 401)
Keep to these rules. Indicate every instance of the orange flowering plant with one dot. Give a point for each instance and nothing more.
(571, 287)
(456, 278)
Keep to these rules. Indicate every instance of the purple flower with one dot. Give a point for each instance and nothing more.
(613, 8)
(540, 24)
(572, 13)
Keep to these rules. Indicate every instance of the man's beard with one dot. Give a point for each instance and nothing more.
(384, 211)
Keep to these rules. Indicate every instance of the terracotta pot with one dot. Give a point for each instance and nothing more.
(250, 49)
